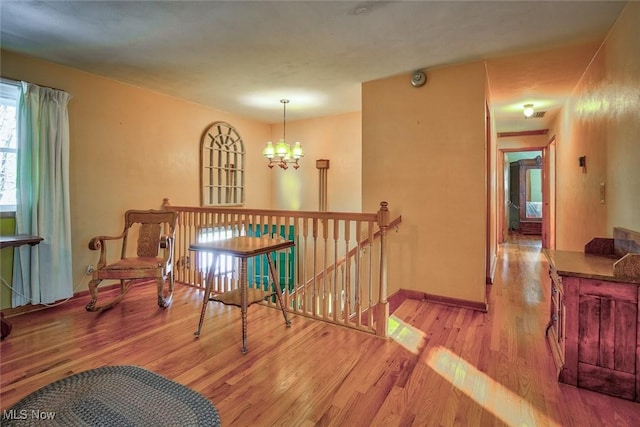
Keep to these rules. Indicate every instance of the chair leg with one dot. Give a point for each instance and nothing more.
(93, 290)
(164, 302)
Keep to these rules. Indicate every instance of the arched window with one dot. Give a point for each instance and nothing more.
(222, 166)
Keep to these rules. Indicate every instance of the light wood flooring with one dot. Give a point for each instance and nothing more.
(443, 366)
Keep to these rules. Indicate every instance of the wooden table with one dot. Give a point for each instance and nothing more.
(14, 241)
(242, 247)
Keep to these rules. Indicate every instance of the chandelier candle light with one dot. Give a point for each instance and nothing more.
(282, 154)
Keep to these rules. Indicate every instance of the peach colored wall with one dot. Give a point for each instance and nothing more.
(337, 138)
(602, 122)
(132, 147)
(623, 130)
(424, 151)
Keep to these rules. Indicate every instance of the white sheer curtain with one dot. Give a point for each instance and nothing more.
(42, 273)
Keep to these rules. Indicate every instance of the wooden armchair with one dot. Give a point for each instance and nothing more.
(153, 260)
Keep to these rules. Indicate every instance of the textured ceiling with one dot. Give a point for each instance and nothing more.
(244, 56)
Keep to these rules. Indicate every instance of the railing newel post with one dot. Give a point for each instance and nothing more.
(382, 317)
(166, 204)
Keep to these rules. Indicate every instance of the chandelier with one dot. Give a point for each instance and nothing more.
(282, 153)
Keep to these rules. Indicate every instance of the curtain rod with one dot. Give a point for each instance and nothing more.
(18, 83)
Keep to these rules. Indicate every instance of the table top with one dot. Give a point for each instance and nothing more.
(243, 246)
(19, 240)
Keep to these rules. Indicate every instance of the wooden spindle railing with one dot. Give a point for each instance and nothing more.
(336, 272)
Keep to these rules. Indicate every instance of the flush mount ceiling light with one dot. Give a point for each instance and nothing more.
(282, 154)
(528, 110)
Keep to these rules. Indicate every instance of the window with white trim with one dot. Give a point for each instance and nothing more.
(9, 93)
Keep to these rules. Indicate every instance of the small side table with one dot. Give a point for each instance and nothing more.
(242, 247)
(13, 241)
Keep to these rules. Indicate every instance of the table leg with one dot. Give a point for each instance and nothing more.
(207, 292)
(6, 327)
(276, 283)
(243, 300)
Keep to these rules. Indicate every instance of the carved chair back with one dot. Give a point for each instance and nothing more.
(153, 224)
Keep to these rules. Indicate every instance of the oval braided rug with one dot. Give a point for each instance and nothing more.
(113, 396)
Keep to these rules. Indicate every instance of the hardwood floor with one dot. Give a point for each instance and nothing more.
(443, 366)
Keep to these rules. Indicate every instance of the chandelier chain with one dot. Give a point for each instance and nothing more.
(284, 118)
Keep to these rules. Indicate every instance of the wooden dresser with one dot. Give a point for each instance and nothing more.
(595, 316)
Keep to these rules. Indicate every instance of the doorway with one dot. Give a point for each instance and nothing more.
(525, 193)
(521, 208)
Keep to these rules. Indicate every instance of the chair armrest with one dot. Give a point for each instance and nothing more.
(99, 243)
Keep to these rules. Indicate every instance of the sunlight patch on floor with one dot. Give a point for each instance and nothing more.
(509, 407)
(406, 335)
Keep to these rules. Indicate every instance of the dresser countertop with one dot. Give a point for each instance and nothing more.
(588, 266)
